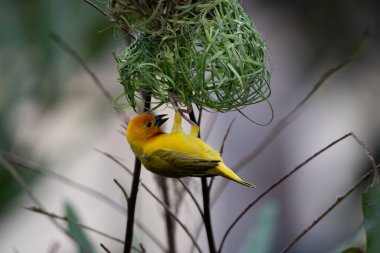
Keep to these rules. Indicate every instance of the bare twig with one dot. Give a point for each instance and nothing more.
(226, 136)
(199, 227)
(290, 117)
(156, 198)
(221, 150)
(65, 46)
(134, 190)
(360, 143)
(167, 208)
(327, 211)
(211, 121)
(34, 167)
(16, 176)
(105, 248)
(368, 153)
(122, 190)
(206, 203)
(68, 220)
(207, 215)
(191, 196)
(170, 225)
(142, 248)
(237, 219)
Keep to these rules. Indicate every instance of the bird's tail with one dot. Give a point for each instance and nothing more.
(228, 173)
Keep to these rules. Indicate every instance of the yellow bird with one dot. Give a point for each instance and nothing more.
(175, 154)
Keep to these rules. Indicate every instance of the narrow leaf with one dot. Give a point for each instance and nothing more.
(260, 238)
(77, 232)
(371, 213)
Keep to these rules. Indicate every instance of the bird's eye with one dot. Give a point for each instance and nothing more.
(149, 124)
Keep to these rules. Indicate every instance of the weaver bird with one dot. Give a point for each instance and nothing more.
(175, 154)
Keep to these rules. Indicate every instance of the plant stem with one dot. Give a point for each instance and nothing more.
(131, 207)
(328, 210)
(170, 226)
(134, 190)
(207, 215)
(206, 204)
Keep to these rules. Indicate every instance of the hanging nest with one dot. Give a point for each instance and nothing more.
(206, 53)
(149, 16)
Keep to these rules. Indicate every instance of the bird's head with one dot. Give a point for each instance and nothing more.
(144, 126)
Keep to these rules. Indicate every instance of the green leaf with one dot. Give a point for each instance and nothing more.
(84, 243)
(353, 250)
(371, 213)
(260, 238)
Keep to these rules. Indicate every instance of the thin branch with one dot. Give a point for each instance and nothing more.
(207, 215)
(96, 7)
(131, 207)
(221, 150)
(134, 191)
(32, 166)
(156, 198)
(206, 203)
(368, 153)
(199, 227)
(105, 248)
(149, 192)
(211, 121)
(191, 196)
(187, 231)
(167, 208)
(122, 190)
(66, 47)
(68, 220)
(142, 248)
(20, 181)
(290, 117)
(237, 219)
(170, 225)
(197, 233)
(180, 191)
(226, 136)
(327, 211)
(360, 143)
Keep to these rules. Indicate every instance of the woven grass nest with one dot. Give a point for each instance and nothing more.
(205, 52)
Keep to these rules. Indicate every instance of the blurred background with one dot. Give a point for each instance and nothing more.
(52, 113)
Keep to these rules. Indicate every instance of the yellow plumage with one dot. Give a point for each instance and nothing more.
(175, 154)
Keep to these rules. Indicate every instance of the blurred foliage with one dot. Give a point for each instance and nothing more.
(260, 238)
(371, 213)
(77, 232)
(33, 68)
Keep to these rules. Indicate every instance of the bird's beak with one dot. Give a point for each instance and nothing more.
(160, 120)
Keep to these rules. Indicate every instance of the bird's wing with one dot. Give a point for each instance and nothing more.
(183, 163)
